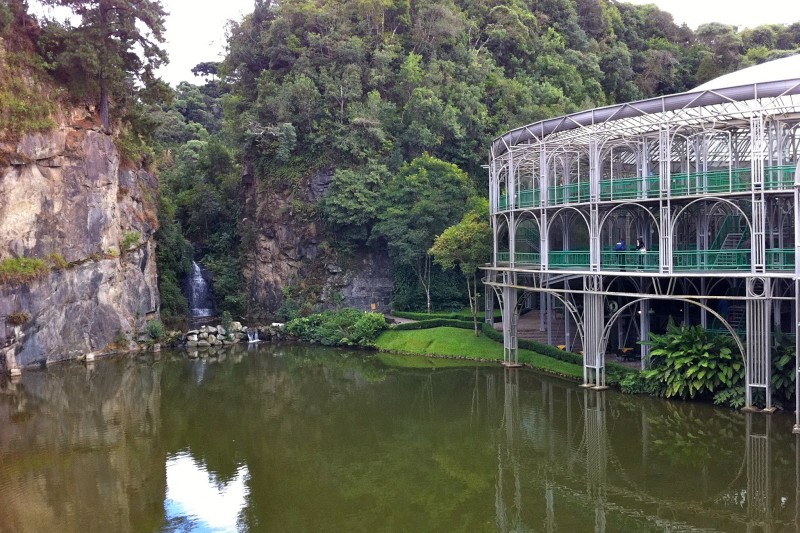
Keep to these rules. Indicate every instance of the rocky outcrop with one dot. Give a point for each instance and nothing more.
(64, 196)
(289, 250)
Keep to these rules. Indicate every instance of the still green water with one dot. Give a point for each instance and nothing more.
(298, 438)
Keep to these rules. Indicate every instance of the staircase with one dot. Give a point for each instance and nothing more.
(731, 241)
(528, 328)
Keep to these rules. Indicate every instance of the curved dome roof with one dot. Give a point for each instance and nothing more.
(741, 94)
(784, 68)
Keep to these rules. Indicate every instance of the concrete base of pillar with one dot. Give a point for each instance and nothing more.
(15, 371)
(586, 386)
(768, 411)
(796, 429)
(89, 357)
(601, 387)
(512, 365)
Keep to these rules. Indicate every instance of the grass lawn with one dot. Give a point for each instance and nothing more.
(455, 342)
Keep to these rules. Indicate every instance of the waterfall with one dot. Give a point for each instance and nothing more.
(252, 335)
(200, 303)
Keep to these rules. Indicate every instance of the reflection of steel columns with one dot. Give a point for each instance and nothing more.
(644, 332)
(594, 375)
(758, 363)
(759, 459)
(594, 419)
(509, 517)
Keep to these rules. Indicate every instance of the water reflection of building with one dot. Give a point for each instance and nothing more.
(567, 458)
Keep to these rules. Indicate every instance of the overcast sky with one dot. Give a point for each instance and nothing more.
(196, 28)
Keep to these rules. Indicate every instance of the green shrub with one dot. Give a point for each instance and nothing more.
(226, 319)
(22, 106)
(434, 323)
(367, 328)
(130, 239)
(691, 362)
(637, 383)
(346, 327)
(783, 369)
(57, 261)
(733, 398)
(155, 329)
(21, 269)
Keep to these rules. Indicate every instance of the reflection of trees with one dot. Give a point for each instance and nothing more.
(335, 439)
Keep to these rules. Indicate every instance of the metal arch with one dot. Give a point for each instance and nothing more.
(571, 208)
(573, 311)
(562, 149)
(706, 199)
(603, 149)
(525, 215)
(618, 313)
(626, 205)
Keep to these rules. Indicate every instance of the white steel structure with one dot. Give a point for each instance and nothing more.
(708, 180)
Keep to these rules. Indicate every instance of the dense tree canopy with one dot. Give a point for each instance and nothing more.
(379, 94)
(115, 43)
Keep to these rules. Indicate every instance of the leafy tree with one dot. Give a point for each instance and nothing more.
(115, 43)
(425, 197)
(351, 205)
(467, 245)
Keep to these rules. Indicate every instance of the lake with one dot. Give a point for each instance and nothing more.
(285, 437)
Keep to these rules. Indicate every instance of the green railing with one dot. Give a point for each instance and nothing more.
(520, 258)
(569, 260)
(780, 259)
(632, 260)
(643, 187)
(628, 188)
(779, 177)
(629, 260)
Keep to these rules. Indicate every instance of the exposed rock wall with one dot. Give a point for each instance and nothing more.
(288, 250)
(64, 192)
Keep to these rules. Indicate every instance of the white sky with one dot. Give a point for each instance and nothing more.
(741, 13)
(196, 33)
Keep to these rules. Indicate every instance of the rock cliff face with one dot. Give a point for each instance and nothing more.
(64, 194)
(288, 250)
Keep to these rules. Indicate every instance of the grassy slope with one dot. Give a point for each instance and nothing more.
(454, 342)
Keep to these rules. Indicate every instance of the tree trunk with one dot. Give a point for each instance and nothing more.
(104, 106)
(473, 304)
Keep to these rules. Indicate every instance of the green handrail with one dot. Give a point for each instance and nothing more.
(731, 180)
(682, 260)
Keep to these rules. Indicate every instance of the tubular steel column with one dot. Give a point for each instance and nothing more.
(594, 375)
(594, 212)
(488, 298)
(644, 332)
(665, 209)
(510, 315)
(796, 428)
(758, 152)
(759, 328)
